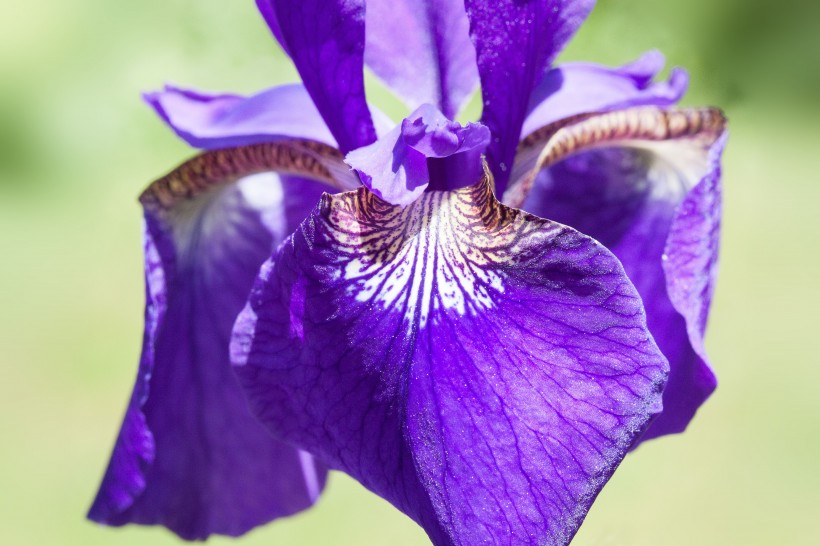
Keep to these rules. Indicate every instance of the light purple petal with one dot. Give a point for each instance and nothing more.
(655, 203)
(326, 42)
(579, 88)
(515, 44)
(190, 456)
(482, 369)
(426, 150)
(422, 50)
(211, 121)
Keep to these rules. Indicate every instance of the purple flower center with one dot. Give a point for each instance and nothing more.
(427, 151)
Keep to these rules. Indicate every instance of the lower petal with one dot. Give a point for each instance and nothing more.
(190, 455)
(482, 369)
(654, 200)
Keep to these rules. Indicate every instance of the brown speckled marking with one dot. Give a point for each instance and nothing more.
(219, 167)
(475, 205)
(563, 138)
(448, 250)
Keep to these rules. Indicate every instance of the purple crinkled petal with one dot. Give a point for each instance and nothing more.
(211, 121)
(656, 206)
(135, 449)
(190, 456)
(426, 151)
(578, 88)
(422, 50)
(690, 264)
(482, 369)
(515, 44)
(326, 41)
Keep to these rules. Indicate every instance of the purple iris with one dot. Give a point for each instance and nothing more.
(479, 341)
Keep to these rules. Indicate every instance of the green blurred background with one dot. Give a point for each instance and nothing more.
(77, 146)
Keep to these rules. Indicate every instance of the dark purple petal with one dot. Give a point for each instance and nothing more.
(690, 263)
(516, 42)
(422, 50)
(427, 151)
(482, 369)
(325, 39)
(190, 455)
(579, 88)
(269, 15)
(211, 121)
(654, 200)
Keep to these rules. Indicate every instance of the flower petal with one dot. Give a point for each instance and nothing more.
(268, 13)
(422, 50)
(211, 121)
(325, 39)
(427, 149)
(645, 182)
(190, 455)
(515, 44)
(482, 369)
(579, 88)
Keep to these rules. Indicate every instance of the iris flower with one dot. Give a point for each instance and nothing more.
(476, 321)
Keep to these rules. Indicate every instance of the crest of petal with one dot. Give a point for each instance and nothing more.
(482, 369)
(422, 50)
(326, 41)
(645, 182)
(190, 455)
(211, 121)
(426, 150)
(580, 88)
(515, 43)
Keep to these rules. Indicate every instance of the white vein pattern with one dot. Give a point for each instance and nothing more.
(425, 258)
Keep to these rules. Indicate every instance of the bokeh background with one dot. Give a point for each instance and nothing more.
(77, 146)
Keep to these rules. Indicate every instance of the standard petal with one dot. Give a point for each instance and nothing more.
(645, 182)
(515, 43)
(268, 13)
(190, 455)
(210, 121)
(325, 39)
(481, 368)
(427, 150)
(579, 88)
(422, 50)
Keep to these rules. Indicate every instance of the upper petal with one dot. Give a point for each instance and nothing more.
(422, 50)
(579, 88)
(210, 120)
(646, 183)
(326, 41)
(482, 369)
(190, 455)
(268, 13)
(515, 43)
